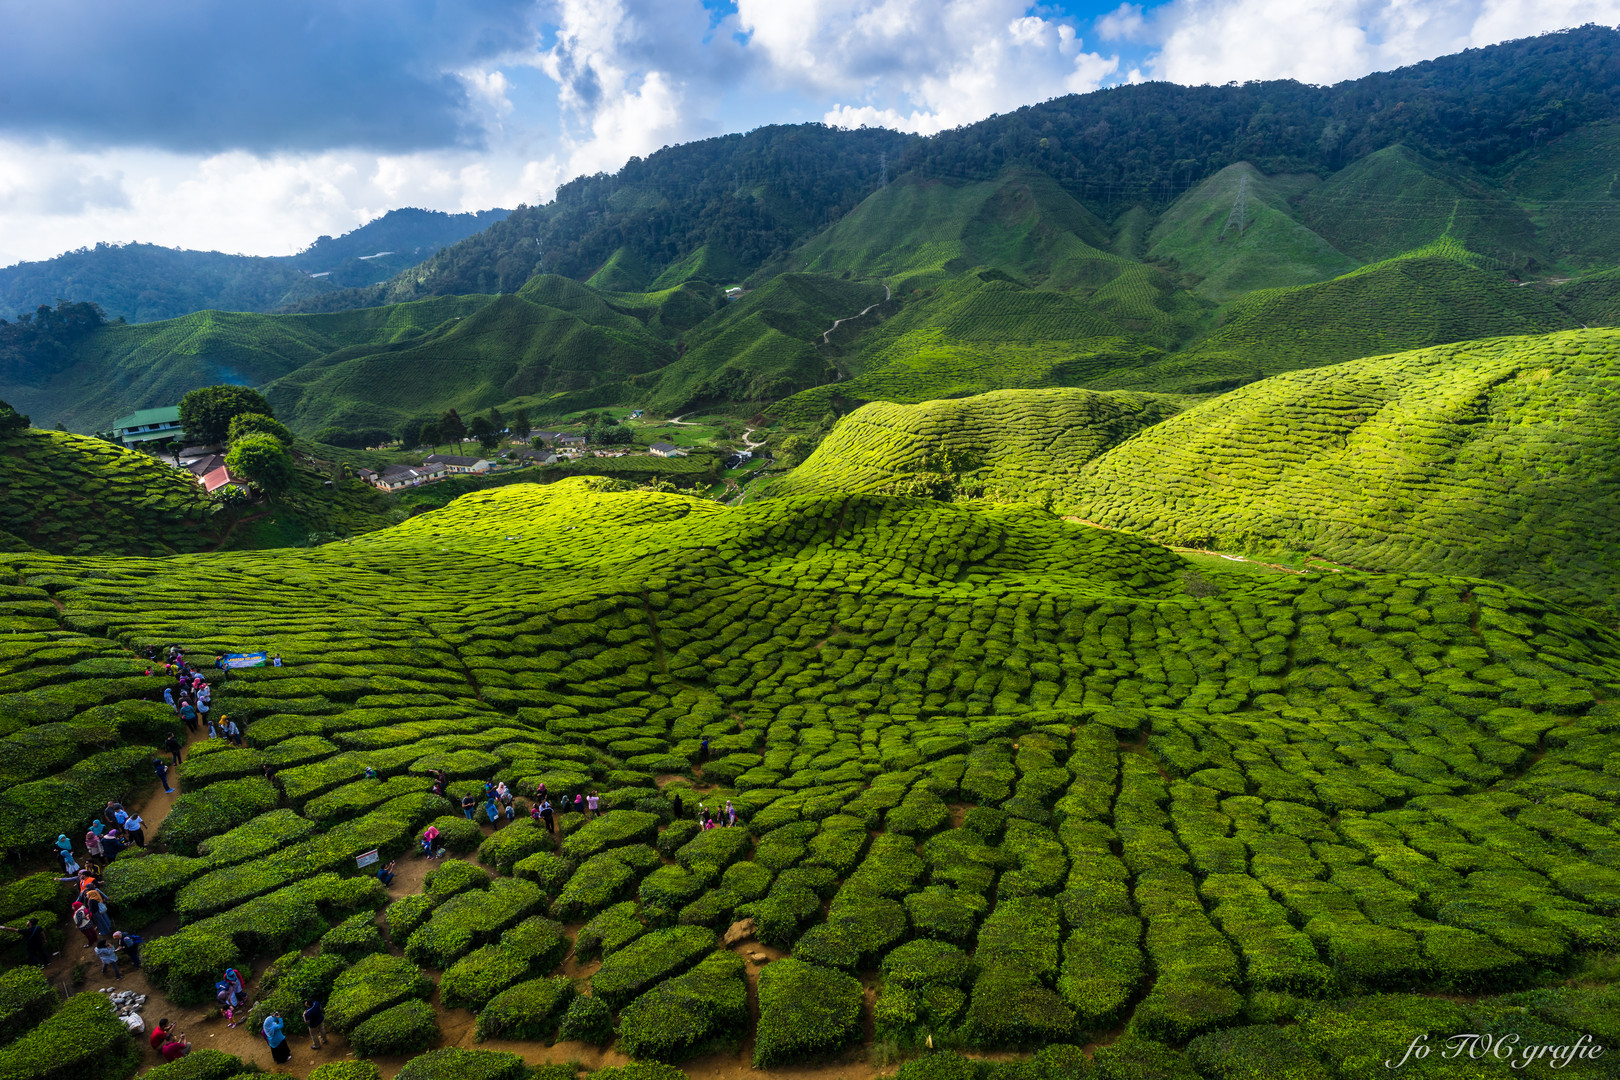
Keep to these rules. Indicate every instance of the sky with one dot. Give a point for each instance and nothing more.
(254, 126)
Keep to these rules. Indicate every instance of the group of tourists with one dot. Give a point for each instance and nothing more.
(542, 812)
(90, 914)
(172, 1045)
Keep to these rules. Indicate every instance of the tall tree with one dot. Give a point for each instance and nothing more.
(261, 460)
(207, 412)
(521, 426)
(429, 435)
(484, 431)
(451, 429)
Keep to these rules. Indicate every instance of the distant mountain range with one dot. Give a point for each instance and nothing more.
(145, 283)
(1159, 238)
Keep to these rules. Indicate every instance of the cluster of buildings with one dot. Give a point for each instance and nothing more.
(207, 463)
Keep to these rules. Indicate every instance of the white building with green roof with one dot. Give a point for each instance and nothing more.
(147, 425)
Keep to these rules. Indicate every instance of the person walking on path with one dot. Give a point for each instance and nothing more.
(84, 924)
(108, 957)
(232, 732)
(33, 939)
(172, 745)
(678, 806)
(92, 839)
(280, 1052)
(703, 751)
(238, 987)
(168, 698)
(188, 716)
(469, 805)
(546, 814)
(135, 829)
(161, 767)
(64, 851)
(315, 1019)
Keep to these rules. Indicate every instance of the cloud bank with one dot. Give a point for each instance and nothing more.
(255, 126)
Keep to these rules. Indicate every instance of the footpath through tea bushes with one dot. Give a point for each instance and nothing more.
(1015, 775)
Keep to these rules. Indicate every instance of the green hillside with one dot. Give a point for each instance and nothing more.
(1431, 296)
(69, 494)
(762, 347)
(1492, 459)
(1396, 200)
(1568, 186)
(1236, 232)
(118, 369)
(1009, 445)
(1005, 783)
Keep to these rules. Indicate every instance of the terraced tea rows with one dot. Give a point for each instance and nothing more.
(1494, 459)
(71, 494)
(1005, 767)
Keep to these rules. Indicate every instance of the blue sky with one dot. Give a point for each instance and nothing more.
(256, 125)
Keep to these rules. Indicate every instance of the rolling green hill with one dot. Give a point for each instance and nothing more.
(1236, 232)
(1495, 459)
(1010, 444)
(1569, 189)
(1215, 817)
(762, 347)
(1430, 296)
(1397, 200)
(118, 369)
(69, 494)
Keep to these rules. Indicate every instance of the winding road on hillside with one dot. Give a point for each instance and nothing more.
(839, 322)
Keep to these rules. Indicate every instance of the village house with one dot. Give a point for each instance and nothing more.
(664, 449)
(219, 477)
(570, 442)
(536, 457)
(397, 477)
(147, 425)
(457, 464)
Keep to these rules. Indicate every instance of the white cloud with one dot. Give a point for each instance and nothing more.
(55, 198)
(1124, 23)
(920, 65)
(1325, 41)
(631, 77)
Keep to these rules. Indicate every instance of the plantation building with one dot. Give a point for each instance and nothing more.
(458, 464)
(147, 425)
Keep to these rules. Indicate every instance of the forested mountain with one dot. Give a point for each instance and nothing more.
(746, 199)
(145, 282)
(1147, 238)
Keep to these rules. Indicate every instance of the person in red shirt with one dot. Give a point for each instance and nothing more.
(176, 1048)
(160, 1034)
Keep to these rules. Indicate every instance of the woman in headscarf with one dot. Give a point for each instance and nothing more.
(238, 987)
(92, 839)
(84, 924)
(64, 851)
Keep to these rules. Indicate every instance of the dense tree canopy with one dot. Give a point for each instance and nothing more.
(263, 461)
(207, 412)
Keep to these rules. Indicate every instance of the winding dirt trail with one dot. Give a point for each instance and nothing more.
(839, 322)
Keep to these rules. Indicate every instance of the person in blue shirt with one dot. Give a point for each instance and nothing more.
(280, 1052)
(493, 810)
(385, 874)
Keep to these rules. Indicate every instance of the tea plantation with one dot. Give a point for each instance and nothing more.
(1005, 783)
(71, 494)
(1493, 459)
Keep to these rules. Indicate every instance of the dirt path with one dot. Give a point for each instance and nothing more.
(839, 322)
